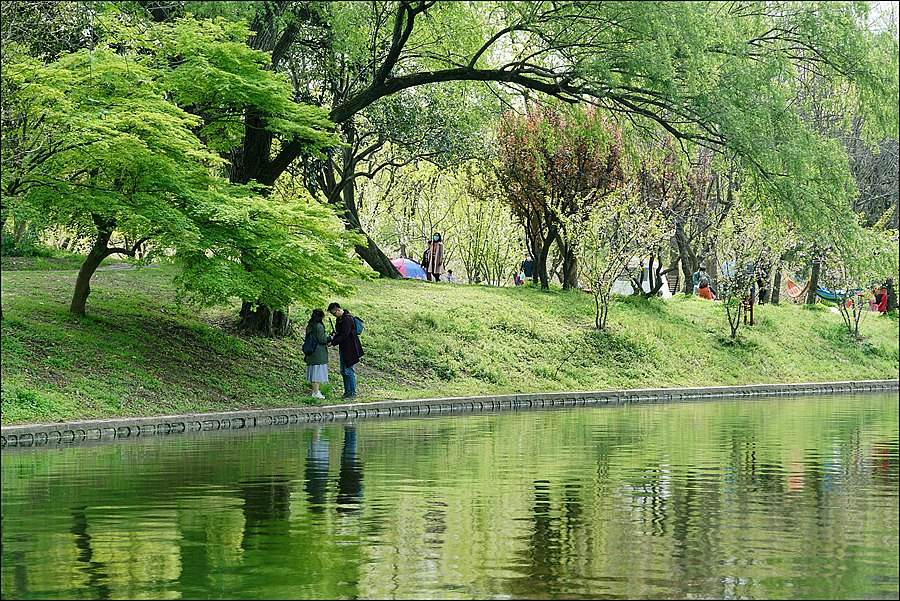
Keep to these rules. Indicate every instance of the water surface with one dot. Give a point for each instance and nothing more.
(780, 498)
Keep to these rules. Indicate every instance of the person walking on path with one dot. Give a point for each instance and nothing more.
(315, 352)
(433, 260)
(350, 350)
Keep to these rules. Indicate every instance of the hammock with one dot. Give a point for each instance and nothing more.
(794, 291)
(835, 296)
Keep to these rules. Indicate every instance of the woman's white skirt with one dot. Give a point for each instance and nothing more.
(317, 373)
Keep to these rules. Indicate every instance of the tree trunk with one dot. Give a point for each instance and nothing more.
(775, 296)
(263, 320)
(540, 261)
(712, 269)
(370, 253)
(891, 294)
(813, 281)
(570, 271)
(376, 259)
(91, 263)
(569, 266)
(655, 273)
(689, 262)
(344, 200)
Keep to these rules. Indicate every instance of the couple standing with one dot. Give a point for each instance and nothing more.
(345, 336)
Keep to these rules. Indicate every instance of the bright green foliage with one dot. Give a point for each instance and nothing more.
(858, 267)
(740, 248)
(121, 156)
(218, 76)
(729, 76)
(208, 69)
(273, 250)
(124, 152)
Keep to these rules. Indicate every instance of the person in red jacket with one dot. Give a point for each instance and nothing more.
(704, 291)
(349, 348)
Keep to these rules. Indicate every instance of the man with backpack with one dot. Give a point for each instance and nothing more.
(346, 338)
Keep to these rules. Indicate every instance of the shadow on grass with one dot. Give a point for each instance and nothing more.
(740, 346)
(652, 305)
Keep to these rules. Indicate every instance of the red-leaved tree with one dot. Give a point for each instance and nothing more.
(554, 166)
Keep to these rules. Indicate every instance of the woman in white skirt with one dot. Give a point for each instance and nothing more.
(315, 352)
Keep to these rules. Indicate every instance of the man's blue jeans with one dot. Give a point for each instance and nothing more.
(349, 377)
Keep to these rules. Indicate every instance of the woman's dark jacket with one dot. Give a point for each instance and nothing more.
(320, 355)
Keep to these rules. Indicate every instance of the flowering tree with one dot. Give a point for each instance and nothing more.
(620, 227)
(741, 247)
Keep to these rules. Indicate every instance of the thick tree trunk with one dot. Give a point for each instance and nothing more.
(370, 252)
(91, 263)
(540, 261)
(689, 261)
(264, 321)
(376, 259)
(712, 269)
(813, 281)
(569, 266)
(570, 271)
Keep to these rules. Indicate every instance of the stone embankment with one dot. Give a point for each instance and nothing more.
(31, 435)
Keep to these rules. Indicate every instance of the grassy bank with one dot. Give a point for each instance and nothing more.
(140, 353)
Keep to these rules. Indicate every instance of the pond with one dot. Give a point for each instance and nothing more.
(770, 498)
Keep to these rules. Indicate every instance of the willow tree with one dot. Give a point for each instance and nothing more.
(720, 75)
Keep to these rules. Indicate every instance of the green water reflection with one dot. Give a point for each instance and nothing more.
(782, 498)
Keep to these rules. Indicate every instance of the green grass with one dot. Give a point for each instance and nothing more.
(138, 352)
(50, 262)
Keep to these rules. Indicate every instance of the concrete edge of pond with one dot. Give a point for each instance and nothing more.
(67, 433)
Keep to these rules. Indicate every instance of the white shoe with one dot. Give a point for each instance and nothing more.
(318, 395)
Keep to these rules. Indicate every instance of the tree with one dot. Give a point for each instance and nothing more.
(490, 241)
(721, 76)
(741, 247)
(852, 272)
(554, 167)
(128, 162)
(708, 188)
(621, 226)
(661, 184)
(42, 30)
(418, 201)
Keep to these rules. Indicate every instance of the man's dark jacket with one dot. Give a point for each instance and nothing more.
(346, 340)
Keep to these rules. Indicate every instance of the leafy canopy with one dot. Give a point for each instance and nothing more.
(122, 154)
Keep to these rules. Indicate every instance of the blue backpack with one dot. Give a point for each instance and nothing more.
(309, 343)
(359, 325)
